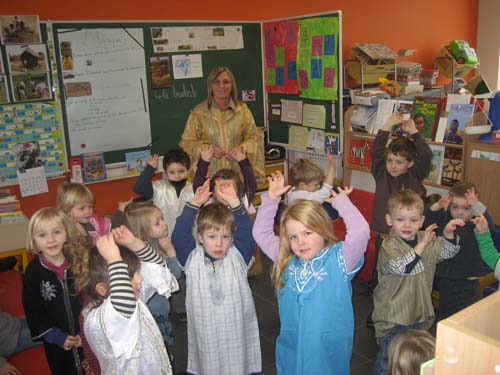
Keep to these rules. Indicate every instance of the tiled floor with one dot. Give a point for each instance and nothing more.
(365, 346)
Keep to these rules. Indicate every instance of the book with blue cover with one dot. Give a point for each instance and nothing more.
(137, 161)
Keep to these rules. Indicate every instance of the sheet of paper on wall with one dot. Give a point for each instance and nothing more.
(111, 110)
(196, 38)
(457, 99)
(314, 116)
(291, 111)
(316, 140)
(187, 66)
(297, 138)
(32, 181)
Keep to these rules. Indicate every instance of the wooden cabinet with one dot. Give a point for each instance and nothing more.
(484, 173)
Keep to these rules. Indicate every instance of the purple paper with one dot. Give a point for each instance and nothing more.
(329, 78)
(303, 80)
(317, 45)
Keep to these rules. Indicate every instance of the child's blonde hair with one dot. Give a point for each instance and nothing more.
(44, 215)
(215, 216)
(139, 222)
(306, 171)
(69, 194)
(406, 199)
(313, 216)
(408, 350)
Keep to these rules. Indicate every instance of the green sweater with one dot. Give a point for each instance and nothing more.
(488, 252)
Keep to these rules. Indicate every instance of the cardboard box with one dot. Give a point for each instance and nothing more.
(13, 235)
(469, 341)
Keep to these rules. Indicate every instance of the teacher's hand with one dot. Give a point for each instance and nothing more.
(219, 152)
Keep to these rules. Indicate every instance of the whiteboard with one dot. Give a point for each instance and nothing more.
(105, 89)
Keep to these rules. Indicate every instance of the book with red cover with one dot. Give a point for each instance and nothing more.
(430, 108)
(360, 152)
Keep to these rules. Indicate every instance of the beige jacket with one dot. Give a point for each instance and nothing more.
(226, 130)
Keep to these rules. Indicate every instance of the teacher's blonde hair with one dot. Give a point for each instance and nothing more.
(211, 79)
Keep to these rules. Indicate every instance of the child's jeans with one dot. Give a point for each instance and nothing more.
(160, 308)
(382, 362)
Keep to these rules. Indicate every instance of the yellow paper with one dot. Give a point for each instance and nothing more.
(297, 138)
(314, 116)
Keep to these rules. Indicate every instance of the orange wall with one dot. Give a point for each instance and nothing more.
(424, 25)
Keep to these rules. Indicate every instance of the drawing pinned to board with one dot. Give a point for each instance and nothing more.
(20, 29)
(75, 89)
(248, 95)
(196, 38)
(27, 155)
(27, 58)
(66, 56)
(160, 72)
(187, 66)
(30, 86)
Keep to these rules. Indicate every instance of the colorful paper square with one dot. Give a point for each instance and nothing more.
(303, 80)
(270, 56)
(292, 32)
(317, 45)
(329, 44)
(280, 76)
(280, 56)
(271, 76)
(329, 77)
(292, 70)
(316, 70)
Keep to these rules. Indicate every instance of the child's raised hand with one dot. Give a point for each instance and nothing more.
(394, 119)
(409, 126)
(451, 226)
(153, 161)
(237, 153)
(108, 249)
(226, 192)
(202, 194)
(124, 237)
(277, 185)
(331, 158)
(481, 224)
(471, 197)
(341, 191)
(428, 236)
(166, 244)
(442, 203)
(123, 205)
(207, 152)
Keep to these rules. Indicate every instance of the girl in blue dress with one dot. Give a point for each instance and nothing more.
(312, 275)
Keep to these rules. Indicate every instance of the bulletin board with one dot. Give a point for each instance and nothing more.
(306, 68)
(143, 114)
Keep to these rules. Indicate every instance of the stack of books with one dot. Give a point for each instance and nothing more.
(10, 208)
(408, 76)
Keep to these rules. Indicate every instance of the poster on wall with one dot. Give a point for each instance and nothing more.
(317, 51)
(280, 50)
(27, 58)
(108, 108)
(30, 136)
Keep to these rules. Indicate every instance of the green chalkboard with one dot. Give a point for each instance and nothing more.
(278, 130)
(169, 107)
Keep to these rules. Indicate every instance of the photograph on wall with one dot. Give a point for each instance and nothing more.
(67, 63)
(27, 155)
(20, 29)
(160, 72)
(77, 89)
(27, 87)
(4, 92)
(24, 58)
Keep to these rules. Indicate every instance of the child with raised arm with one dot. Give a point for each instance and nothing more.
(118, 326)
(312, 275)
(457, 279)
(50, 303)
(145, 221)
(173, 191)
(487, 248)
(223, 334)
(406, 266)
(245, 190)
(308, 183)
(403, 164)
